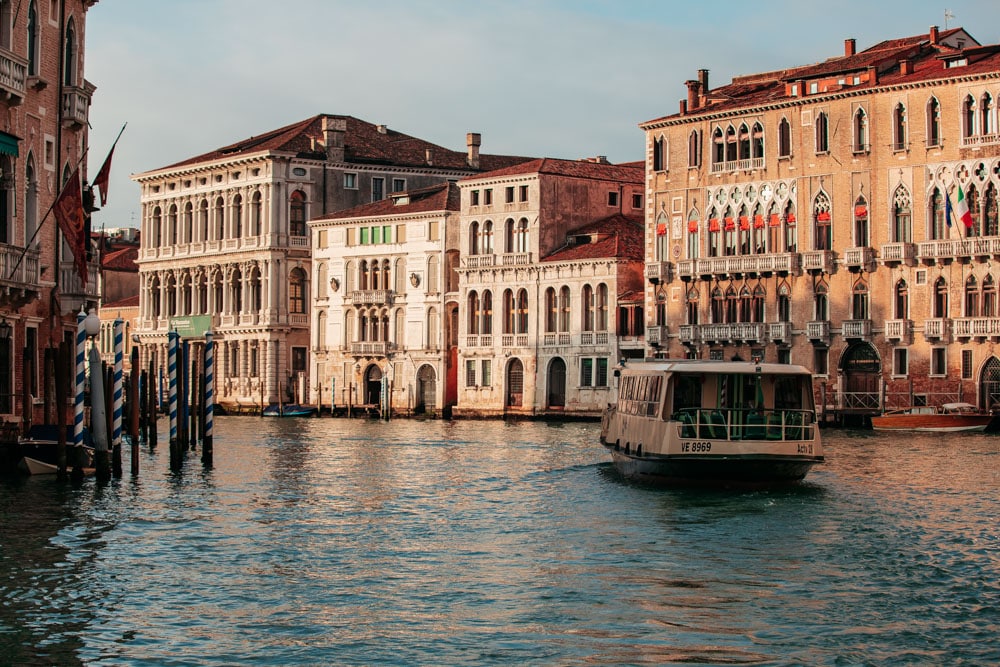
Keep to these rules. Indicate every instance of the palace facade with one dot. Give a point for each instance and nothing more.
(45, 101)
(225, 242)
(802, 216)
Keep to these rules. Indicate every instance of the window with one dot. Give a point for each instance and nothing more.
(933, 122)
(351, 181)
(660, 154)
(939, 365)
(901, 303)
(470, 372)
(938, 226)
(378, 188)
(966, 364)
(821, 361)
(940, 305)
(32, 39)
(474, 198)
(612, 199)
(588, 308)
(486, 375)
(297, 292)
(899, 127)
(822, 132)
(860, 131)
(987, 122)
(694, 149)
(902, 227)
(637, 201)
(69, 55)
(972, 297)
(488, 197)
(861, 234)
(508, 194)
(523, 193)
(398, 184)
(860, 301)
(823, 234)
(784, 138)
(594, 372)
(900, 360)
(968, 117)
(822, 302)
(297, 214)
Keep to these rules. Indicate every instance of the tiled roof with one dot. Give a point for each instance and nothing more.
(628, 172)
(364, 142)
(439, 197)
(925, 63)
(619, 236)
(121, 260)
(127, 302)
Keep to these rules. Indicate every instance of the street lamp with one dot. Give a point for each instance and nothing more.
(5, 330)
(92, 324)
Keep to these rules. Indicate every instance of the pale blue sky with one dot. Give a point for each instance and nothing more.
(552, 78)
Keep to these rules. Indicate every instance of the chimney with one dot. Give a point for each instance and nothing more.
(684, 107)
(429, 156)
(872, 75)
(849, 46)
(382, 129)
(904, 67)
(473, 140)
(694, 88)
(703, 80)
(934, 34)
(334, 130)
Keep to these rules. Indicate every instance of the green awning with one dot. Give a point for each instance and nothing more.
(8, 144)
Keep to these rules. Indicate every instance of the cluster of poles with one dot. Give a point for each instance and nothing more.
(188, 417)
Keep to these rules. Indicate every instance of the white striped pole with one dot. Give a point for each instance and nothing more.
(116, 396)
(172, 339)
(81, 378)
(206, 447)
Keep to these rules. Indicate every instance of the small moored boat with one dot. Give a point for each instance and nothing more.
(946, 418)
(289, 410)
(39, 451)
(716, 422)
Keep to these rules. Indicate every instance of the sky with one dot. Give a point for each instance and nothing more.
(540, 78)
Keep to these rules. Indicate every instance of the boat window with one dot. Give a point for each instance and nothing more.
(687, 392)
(787, 393)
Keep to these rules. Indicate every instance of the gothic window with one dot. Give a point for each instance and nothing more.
(823, 223)
(33, 41)
(743, 142)
(791, 231)
(732, 305)
(757, 141)
(972, 297)
(822, 123)
(718, 305)
(693, 296)
(933, 122)
(718, 147)
(940, 305)
(860, 300)
(474, 314)
(901, 216)
(972, 199)
(860, 131)
(861, 235)
(487, 308)
(474, 238)
(901, 305)
(784, 138)
(660, 154)
(694, 149)
(989, 297)
(662, 238)
(821, 301)
(731, 144)
(899, 127)
(69, 55)
(968, 116)
(938, 226)
(987, 123)
(991, 225)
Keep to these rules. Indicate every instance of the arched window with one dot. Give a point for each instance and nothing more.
(201, 286)
(398, 274)
(693, 296)
(588, 308)
(551, 310)
(297, 214)
(987, 123)
(901, 304)
(901, 215)
(732, 305)
(991, 226)
(236, 291)
(731, 144)
(692, 236)
(522, 311)
(860, 131)
(940, 305)
(938, 226)
(432, 285)
(933, 122)
(714, 234)
(601, 323)
(30, 200)
(474, 238)
(823, 223)
(821, 301)
(718, 147)
(972, 297)
(662, 238)
(157, 230)
(172, 224)
(69, 55)
(718, 305)
(822, 123)
(968, 116)
(660, 153)
(859, 300)
(784, 138)
(564, 309)
(203, 220)
(256, 291)
(743, 142)
(521, 236)
(862, 237)
(487, 327)
(432, 329)
(508, 311)
(743, 222)
(899, 127)
(256, 207)
(188, 226)
(757, 141)
(154, 290)
(694, 149)
(350, 328)
(989, 297)
(33, 41)
(784, 301)
(729, 238)
(218, 290)
(972, 200)
(474, 313)
(220, 218)
(487, 245)
(297, 292)
(745, 304)
(238, 216)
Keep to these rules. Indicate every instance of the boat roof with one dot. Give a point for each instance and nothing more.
(712, 367)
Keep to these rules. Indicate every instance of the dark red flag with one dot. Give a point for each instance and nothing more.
(68, 210)
(103, 175)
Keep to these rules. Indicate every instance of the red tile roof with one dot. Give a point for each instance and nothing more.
(620, 236)
(439, 197)
(633, 172)
(364, 142)
(121, 260)
(127, 302)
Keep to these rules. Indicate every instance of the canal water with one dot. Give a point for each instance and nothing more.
(351, 542)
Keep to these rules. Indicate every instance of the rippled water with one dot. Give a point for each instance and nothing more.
(316, 542)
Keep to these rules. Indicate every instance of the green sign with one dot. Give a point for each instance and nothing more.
(194, 326)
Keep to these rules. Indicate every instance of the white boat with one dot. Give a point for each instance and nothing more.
(682, 421)
(39, 451)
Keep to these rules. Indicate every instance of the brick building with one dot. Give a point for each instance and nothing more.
(800, 216)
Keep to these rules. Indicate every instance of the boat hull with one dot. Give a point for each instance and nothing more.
(736, 470)
(932, 423)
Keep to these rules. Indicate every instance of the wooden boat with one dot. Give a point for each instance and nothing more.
(39, 451)
(289, 410)
(712, 422)
(947, 418)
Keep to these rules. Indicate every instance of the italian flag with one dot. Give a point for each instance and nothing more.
(962, 209)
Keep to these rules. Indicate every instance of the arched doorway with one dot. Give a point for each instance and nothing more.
(557, 383)
(861, 370)
(515, 384)
(373, 385)
(426, 389)
(989, 384)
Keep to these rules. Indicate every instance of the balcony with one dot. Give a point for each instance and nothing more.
(13, 77)
(857, 330)
(76, 295)
(515, 259)
(893, 254)
(594, 338)
(900, 331)
(746, 332)
(818, 261)
(371, 348)
(479, 341)
(688, 334)
(371, 297)
(944, 251)
(18, 286)
(818, 332)
(656, 335)
(658, 272)
(780, 332)
(976, 327)
(556, 339)
(938, 329)
(980, 140)
(748, 164)
(514, 340)
(76, 106)
(479, 261)
(860, 259)
(766, 264)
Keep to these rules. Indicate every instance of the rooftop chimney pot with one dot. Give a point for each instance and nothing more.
(849, 47)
